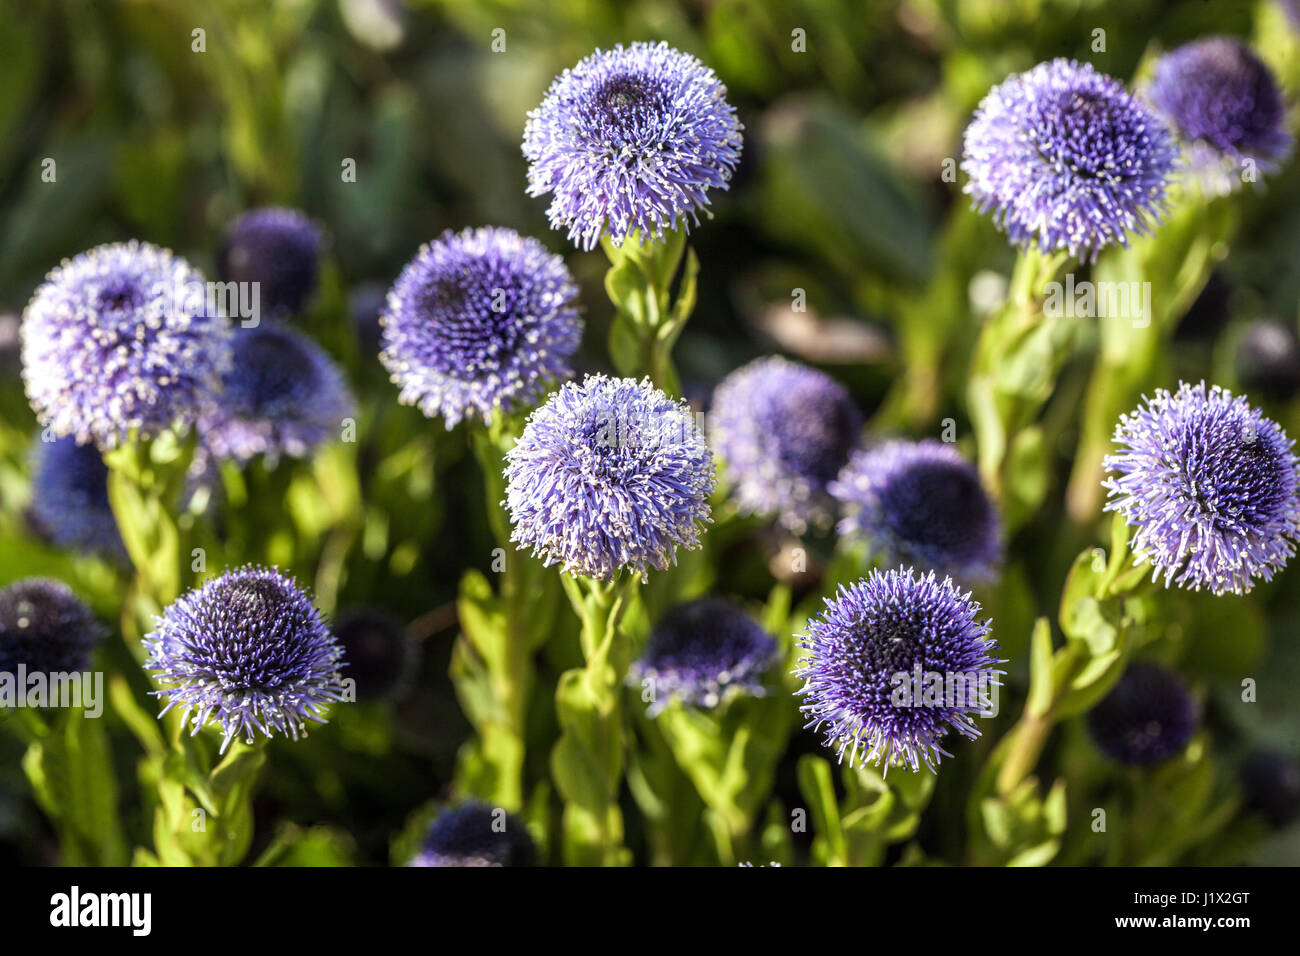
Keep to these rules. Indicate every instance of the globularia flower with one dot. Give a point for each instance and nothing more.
(477, 319)
(279, 250)
(118, 340)
(783, 430)
(70, 505)
(702, 650)
(380, 658)
(1270, 780)
(1209, 487)
(1225, 104)
(1268, 359)
(249, 651)
(631, 140)
(1067, 158)
(920, 503)
(1146, 718)
(476, 835)
(609, 474)
(282, 396)
(893, 664)
(46, 628)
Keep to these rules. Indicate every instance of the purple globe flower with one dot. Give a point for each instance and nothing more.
(45, 628)
(476, 835)
(631, 140)
(118, 341)
(702, 651)
(70, 505)
(1227, 108)
(480, 319)
(921, 503)
(282, 396)
(893, 664)
(1209, 487)
(609, 474)
(1270, 780)
(248, 651)
(380, 658)
(783, 431)
(279, 250)
(1066, 157)
(1148, 716)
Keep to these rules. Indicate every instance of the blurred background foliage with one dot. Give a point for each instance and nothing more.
(847, 196)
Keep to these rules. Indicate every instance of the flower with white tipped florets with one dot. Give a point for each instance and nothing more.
(702, 651)
(1209, 487)
(480, 319)
(607, 475)
(476, 835)
(631, 140)
(893, 664)
(920, 503)
(1067, 158)
(783, 431)
(1226, 106)
(282, 396)
(249, 651)
(118, 341)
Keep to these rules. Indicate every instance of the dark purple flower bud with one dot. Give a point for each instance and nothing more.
(1148, 717)
(279, 249)
(46, 628)
(477, 835)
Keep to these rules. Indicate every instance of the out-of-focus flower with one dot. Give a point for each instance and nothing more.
(701, 651)
(279, 250)
(783, 431)
(609, 474)
(1226, 106)
(631, 140)
(1148, 716)
(70, 505)
(282, 396)
(249, 651)
(1209, 487)
(118, 341)
(1268, 359)
(480, 319)
(476, 835)
(366, 306)
(1271, 782)
(46, 628)
(921, 503)
(893, 664)
(380, 658)
(1064, 156)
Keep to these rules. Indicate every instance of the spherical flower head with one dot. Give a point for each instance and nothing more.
(921, 503)
(1064, 156)
(480, 319)
(380, 658)
(1268, 360)
(1225, 105)
(1148, 717)
(631, 140)
(118, 340)
(282, 396)
(46, 628)
(1208, 486)
(279, 250)
(609, 474)
(70, 507)
(1270, 780)
(476, 835)
(702, 651)
(783, 430)
(893, 664)
(248, 651)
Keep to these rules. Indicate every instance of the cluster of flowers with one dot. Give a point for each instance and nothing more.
(612, 476)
